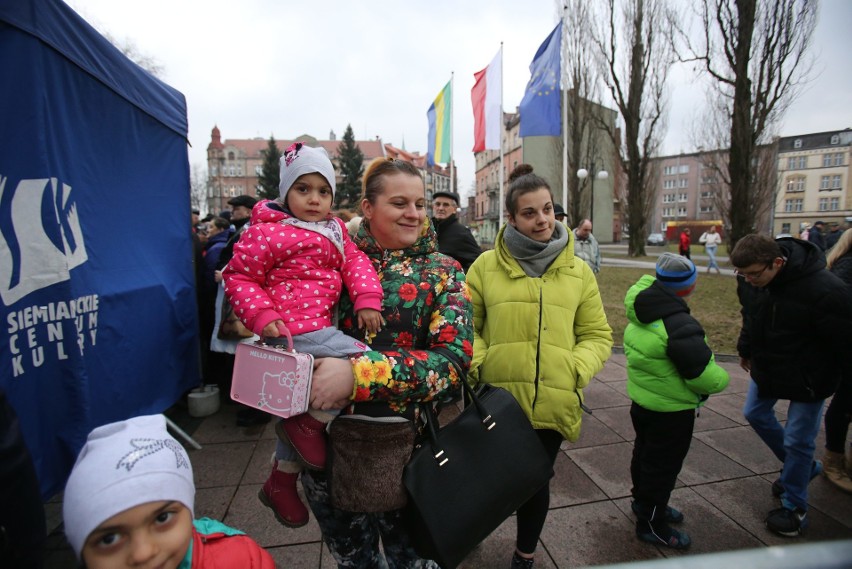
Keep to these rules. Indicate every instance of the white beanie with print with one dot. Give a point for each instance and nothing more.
(123, 465)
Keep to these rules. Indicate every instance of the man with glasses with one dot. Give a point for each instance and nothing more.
(792, 307)
(454, 239)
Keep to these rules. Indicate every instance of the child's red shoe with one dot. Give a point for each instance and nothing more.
(307, 435)
(279, 493)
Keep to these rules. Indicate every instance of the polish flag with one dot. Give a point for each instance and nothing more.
(487, 98)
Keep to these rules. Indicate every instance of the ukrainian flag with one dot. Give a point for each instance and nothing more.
(439, 126)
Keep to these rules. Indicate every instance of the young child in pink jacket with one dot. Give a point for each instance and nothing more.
(288, 270)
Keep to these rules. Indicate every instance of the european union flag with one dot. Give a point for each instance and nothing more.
(540, 108)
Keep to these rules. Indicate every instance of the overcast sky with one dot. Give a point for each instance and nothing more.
(282, 68)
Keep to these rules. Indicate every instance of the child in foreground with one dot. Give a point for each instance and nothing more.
(129, 503)
(670, 373)
(288, 270)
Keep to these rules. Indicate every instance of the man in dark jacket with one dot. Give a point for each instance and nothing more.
(792, 307)
(834, 233)
(815, 235)
(241, 207)
(454, 239)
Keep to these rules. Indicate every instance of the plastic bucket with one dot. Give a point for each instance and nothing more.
(203, 401)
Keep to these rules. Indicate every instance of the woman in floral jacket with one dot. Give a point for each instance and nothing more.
(418, 356)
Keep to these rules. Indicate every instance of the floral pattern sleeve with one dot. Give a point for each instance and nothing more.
(428, 338)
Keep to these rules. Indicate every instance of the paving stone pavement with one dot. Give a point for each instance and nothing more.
(723, 489)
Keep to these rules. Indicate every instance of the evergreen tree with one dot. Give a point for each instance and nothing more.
(350, 163)
(270, 175)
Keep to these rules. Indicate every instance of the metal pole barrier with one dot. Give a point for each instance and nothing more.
(183, 434)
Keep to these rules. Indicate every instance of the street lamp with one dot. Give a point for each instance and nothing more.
(582, 173)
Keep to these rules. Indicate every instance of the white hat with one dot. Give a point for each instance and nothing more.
(123, 465)
(300, 159)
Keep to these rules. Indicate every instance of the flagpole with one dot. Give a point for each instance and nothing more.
(564, 93)
(452, 108)
(502, 127)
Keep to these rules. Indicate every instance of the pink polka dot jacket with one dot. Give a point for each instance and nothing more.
(295, 274)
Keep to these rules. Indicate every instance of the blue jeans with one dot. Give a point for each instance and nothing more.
(711, 255)
(793, 444)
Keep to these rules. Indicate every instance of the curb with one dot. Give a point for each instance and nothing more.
(727, 358)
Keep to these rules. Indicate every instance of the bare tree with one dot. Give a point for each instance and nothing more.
(581, 78)
(756, 53)
(147, 62)
(635, 73)
(198, 187)
(713, 129)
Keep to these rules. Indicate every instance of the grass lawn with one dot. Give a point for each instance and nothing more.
(713, 303)
(671, 247)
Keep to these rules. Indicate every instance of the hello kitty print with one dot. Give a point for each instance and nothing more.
(272, 379)
(292, 153)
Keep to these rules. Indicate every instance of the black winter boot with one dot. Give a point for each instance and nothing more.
(651, 526)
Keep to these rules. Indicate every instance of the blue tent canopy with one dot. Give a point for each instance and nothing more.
(60, 28)
(97, 287)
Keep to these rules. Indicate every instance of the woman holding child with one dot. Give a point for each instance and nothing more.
(417, 356)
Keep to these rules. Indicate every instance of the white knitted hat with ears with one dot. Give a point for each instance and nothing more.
(300, 159)
(123, 465)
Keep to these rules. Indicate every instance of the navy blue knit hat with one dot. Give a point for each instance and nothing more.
(676, 272)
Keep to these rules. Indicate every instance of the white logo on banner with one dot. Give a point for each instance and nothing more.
(40, 242)
(44, 241)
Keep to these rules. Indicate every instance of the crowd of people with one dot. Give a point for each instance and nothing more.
(398, 309)
(541, 276)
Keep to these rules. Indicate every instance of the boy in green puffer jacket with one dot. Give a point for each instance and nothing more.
(670, 373)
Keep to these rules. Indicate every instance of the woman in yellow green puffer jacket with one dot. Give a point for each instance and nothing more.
(540, 330)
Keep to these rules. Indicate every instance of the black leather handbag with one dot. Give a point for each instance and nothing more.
(468, 477)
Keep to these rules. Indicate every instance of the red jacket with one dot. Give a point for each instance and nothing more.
(684, 242)
(217, 546)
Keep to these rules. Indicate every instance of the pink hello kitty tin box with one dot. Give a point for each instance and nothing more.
(272, 378)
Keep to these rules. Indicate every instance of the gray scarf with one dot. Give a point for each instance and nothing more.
(534, 256)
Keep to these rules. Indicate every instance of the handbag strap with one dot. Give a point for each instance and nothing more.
(430, 418)
(477, 402)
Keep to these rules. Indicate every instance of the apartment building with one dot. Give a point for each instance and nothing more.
(685, 189)
(692, 187)
(233, 166)
(813, 180)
